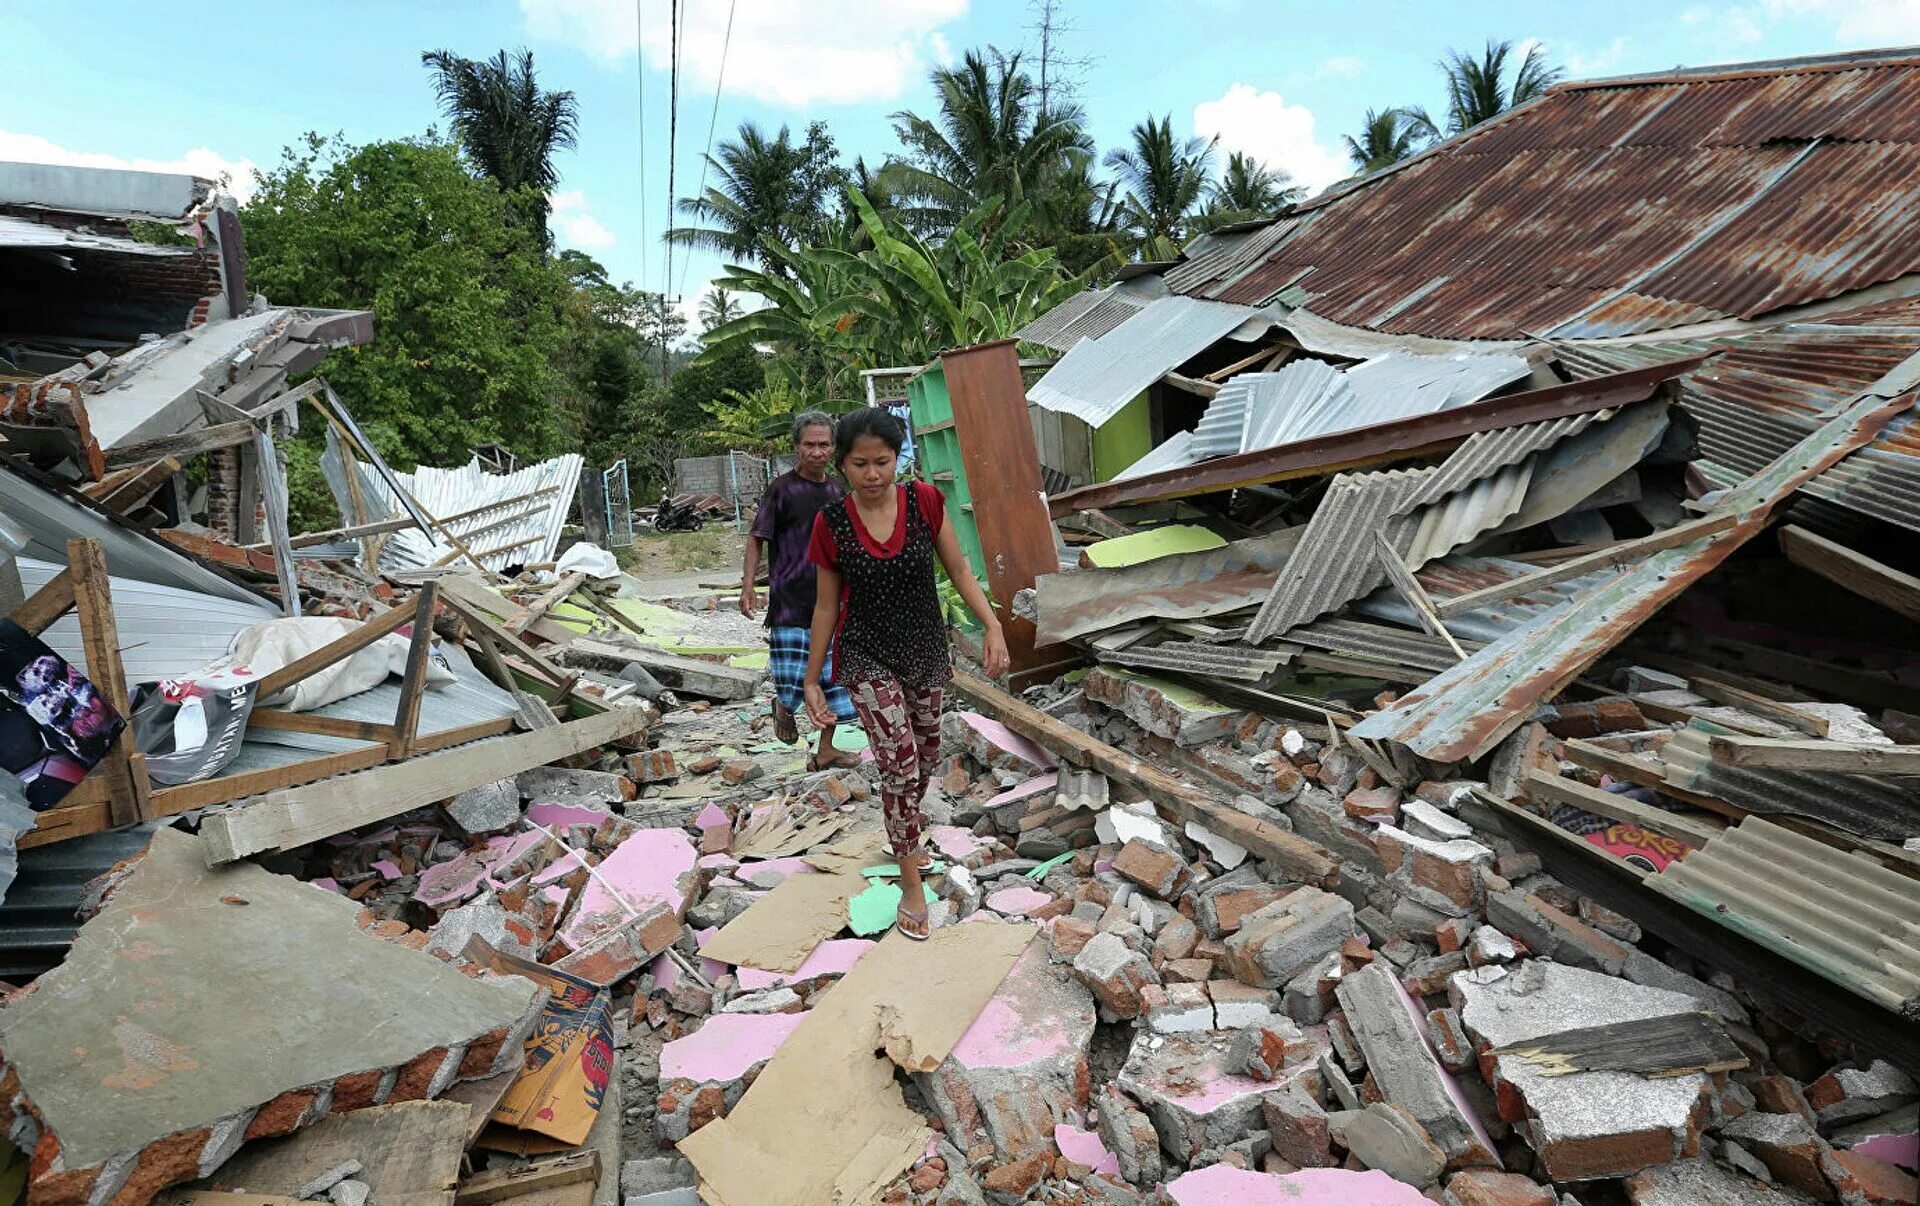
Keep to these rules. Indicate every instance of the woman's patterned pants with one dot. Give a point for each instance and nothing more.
(903, 730)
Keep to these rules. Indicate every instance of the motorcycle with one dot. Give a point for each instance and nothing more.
(670, 516)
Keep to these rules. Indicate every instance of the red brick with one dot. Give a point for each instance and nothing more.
(416, 1075)
(1380, 804)
(162, 1163)
(1020, 1177)
(1484, 1187)
(356, 1090)
(1606, 1155)
(1070, 935)
(1781, 1095)
(1154, 868)
(282, 1115)
(1861, 1178)
(482, 1054)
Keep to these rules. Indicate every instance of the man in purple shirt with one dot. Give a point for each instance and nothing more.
(784, 521)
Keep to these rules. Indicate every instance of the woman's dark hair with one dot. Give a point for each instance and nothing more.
(872, 421)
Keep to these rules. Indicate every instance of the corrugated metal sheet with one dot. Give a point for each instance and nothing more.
(1634, 207)
(1301, 400)
(1216, 261)
(1097, 377)
(1465, 711)
(22, 233)
(1174, 452)
(38, 920)
(1237, 662)
(1876, 808)
(1086, 315)
(507, 532)
(1185, 586)
(1845, 918)
(1457, 575)
(1378, 641)
(1486, 452)
(164, 632)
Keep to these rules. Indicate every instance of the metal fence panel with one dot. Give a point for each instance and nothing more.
(619, 502)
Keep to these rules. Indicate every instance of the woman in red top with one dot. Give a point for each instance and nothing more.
(878, 609)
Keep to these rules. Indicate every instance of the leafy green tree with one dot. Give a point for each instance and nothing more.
(763, 188)
(1479, 89)
(1386, 137)
(1248, 189)
(687, 408)
(717, 307)
(507, 124)
(1165, 181)
(610, 359)
(993, 137)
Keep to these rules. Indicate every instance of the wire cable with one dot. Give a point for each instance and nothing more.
(712, 120)
(640, 81)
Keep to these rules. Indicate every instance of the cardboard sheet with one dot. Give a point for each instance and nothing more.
(825, 1121)
(410, 1154)
(778, 931)
(858, 849)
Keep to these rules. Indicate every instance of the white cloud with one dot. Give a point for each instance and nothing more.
(688, 308)
(1341, 66)
(201, 161)
(1858, 24)
(785, 52)
(1279, 135)
(576, 227)
(1583, 64)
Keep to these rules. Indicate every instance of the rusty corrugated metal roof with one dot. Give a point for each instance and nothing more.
(1086, 315)
(1237, 662)
(1861, 804)
(1634, 206)
(1846, 918)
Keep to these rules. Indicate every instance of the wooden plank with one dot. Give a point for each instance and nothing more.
(111, 482)
(1816, 675)
(1852, 571)
(327, 726)
(549, 600)
(1302, 860)
(471, 601)
(1676, 1045)
(1614, 556)
(294, 816)
(47, 604)
(333, 651)
(1219, 375)
(689, 675)
(141, 484)
(1415, 594)
(406, 715)
(1724, 693)
(573, 1168)
(479, 730)
(228, 788)
(309, 539)
(409, 1153)
(184, 444)
(1540, 785)
(71, 818)
(100, 637)
(1844, 757)
(273, 488)
(612, 613)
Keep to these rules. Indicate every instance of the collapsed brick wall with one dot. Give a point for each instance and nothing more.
(106, 294)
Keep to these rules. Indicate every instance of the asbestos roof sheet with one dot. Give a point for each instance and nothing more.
(164, 631)
(506, 518)
(1086, 315)
(1636, 206)
(1845, 918)
(1097, 377)
(1861, 804)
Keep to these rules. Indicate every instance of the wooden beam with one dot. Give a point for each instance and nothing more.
(501, 1185)
(1794, 718)
(47, 604)
(1614, 556)
(1856, 572)
(127, 785)
(463, 596)
(1541, 785)
(689, 675)
(1205, 389)
(550, 599)
(1415, 594)
(137, 487)
(185, 444)
(273, 490)
(309, 539)
(1220, 375)
(333, 651)
(73, 817)
(406, 716)
(1302, 860)
(327, 726)
(228, 788)
(479, 730)
(294, 816)
(1844, 757)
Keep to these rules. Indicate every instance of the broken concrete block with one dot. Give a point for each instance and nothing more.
(200, 1005)
(1178, 1008)
(993, 745)
(1702, 1182)
(1013, 1183)
(1196, 1100)
(1440, 875)
(1643, 968)
(1583, 1125)
(654, 868)
(704, 1073)
(1554, 934)
(1153, 867)
(349, 1193)
(720, 905)
(1129, 1135)
(1787, 1144)
(1220, 908)
(1264, 1052)
(1489, 945)
(1863, 1180)
(1175, 940)
(1177, 713)
(1378, 805)
(487, 808)
(1318, 817)
(557, 784)
(1021, 1068)
(656, 1174)
(740, 770)
(1894, 1136)
(1386, 1137)
(1278, 942)
(1223, 1185)
(1018, 900)
(652, 766)
(1450, 1041)
(1849, 1094)
(1309, 995)
(611, 956)
(1116, 973)
(1068, 936)
(1386, 1025)
(1485, 1187)
(1298, 1127)
(1237, 1005)
(483, 917)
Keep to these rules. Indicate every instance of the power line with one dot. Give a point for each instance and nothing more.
(712, 120)
(673, 155)
(640, 81)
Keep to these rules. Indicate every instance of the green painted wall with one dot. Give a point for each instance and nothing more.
(1123, 439)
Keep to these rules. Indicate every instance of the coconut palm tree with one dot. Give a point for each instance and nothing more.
(762, 188)
(1478, 89)
(1248, 189)
(993, 137)
(507, 125)
(1387, 136)
(1164, 182)
(717, 307)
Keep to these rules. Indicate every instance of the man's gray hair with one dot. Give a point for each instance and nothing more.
(811, 418)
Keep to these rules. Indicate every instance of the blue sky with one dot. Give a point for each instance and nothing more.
(118, 83)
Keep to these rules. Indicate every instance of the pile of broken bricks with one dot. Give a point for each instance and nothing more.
(1117, 1007)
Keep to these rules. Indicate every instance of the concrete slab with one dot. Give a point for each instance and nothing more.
(1187, 1086)
(201, 1003)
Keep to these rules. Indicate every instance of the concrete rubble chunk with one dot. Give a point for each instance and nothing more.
(1129, 1134)
(1298, 1127)
(1264, 1051)
(1386, 1137)
(1702, 1182)
(484, 917)
(488, 808)
(1278, 942)
(1424, 820)
(1848, 1094)
(1116, 973)
(1485, 1187)
(559, 785)
(197, 996)
(1864, 1180)
(1440, 875)
(1787, 1144)
(1021, 1067)
(703, 1074)
(1386, 1024)
(1154, 867)
(1552, 933)
(1196, 1100)
(1583, 1125)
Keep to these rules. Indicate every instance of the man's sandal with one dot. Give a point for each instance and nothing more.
(785, 728)
(913, 926)
(837, 760)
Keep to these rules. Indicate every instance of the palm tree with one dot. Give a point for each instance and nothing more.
(993, 137)
(717, 307)
(763, 188)
(1386, 137)
(508, 127)
(1248, 189)
(1477, 89)
(1164, 182)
